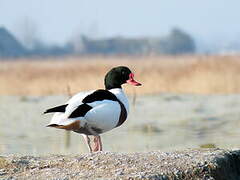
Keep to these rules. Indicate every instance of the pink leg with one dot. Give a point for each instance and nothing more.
(97, 144)
(88, 142)
(100, 144)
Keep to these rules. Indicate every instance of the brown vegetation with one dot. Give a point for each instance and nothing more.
(176, 74)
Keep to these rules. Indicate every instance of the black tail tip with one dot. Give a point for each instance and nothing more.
(52, 125)
(47, 111)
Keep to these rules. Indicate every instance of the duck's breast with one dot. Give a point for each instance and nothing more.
(104, 114)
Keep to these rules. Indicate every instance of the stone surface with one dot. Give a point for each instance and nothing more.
(187, 164)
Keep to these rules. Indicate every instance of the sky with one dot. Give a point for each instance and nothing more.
(57, 21)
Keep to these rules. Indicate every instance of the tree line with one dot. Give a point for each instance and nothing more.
(176, 42)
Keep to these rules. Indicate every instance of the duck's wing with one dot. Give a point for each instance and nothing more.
(99, 109)
(70, 105)
(65, 114)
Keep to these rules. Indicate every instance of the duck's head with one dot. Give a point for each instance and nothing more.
(118, 76)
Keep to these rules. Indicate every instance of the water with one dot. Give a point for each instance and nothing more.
(158, 122)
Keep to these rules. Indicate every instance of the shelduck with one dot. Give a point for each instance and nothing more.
(98, 111)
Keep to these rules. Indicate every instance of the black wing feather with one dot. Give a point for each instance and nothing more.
(80, 111)
(61, 108)
(100, 95)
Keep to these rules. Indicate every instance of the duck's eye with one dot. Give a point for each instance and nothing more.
(123, 72)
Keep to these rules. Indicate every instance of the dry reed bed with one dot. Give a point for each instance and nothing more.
(176, 74)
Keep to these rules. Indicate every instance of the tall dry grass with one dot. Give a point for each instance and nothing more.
(183, 74)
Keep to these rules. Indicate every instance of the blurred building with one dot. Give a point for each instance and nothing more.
(9, 45)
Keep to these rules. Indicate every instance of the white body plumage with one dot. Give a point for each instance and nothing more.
(104, 114)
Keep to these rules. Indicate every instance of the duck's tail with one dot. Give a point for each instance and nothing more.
(75, 125)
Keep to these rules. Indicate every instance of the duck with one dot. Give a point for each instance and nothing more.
(94, 112)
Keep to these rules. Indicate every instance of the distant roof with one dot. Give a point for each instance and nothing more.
(9, 45)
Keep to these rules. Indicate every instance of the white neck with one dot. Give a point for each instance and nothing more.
(119, 93)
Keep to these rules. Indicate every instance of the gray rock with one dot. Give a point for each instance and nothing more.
(187, 164)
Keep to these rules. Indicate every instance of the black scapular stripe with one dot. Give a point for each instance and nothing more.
(80, 111)
(61, 108)
(99, 95)
(123, 114)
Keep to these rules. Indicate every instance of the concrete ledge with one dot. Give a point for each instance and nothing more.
(187, 164)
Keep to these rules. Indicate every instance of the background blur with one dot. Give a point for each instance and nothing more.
(122, 27)
(185, 53)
